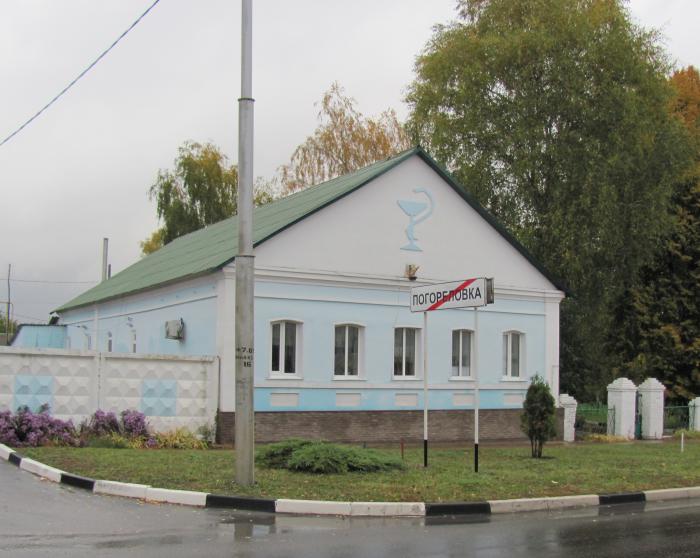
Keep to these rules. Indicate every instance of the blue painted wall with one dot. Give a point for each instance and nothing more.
(379, 312)
(40, 336)
(319, 309)
(146, 314)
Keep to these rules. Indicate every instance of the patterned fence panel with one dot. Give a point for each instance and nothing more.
(171, 391)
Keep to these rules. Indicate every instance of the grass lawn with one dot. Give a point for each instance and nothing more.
(581, 468)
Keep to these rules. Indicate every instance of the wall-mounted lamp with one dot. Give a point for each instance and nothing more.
(411, 271)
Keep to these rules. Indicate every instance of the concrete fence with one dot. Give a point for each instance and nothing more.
(172, 391)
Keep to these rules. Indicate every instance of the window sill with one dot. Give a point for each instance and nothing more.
(461, 379)
(349, 378)
(407, 378)
(274, 376)
(511, 379)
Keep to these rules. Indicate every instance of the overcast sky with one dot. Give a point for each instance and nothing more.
(81, 171)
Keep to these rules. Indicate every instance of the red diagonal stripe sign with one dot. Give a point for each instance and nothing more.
(456, 294)
(452, 294)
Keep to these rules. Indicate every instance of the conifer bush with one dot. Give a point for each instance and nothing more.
(537, 420)
(324, 458)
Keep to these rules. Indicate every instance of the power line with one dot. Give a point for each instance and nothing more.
(85, 71)
(15, 314)
(46, 281)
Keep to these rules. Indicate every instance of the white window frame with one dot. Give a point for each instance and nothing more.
(281, 374)
(460, 375)
(418, 354)
(507, 343)
(360, 351)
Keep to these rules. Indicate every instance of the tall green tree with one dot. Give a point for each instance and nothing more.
(659, 317)
(554, 114)
(344, 141)
(200, 190)
(7, 326)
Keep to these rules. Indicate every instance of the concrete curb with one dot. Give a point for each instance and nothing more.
(5, 452)
(184, 497)
(124, 489)
(349, 509)
(40, 469)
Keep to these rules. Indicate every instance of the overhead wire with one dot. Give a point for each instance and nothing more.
(80, 75)
(47, 281)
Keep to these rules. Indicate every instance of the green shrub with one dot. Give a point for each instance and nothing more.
(324, 458)
(370, 461)
(319, 458)
(276, 456)
(207, 432)
(112, 440)
(604, 438)
(689, 434)
(180, 438)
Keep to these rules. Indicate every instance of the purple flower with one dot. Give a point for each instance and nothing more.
(134, 423)
(27, 428)
(102, 423)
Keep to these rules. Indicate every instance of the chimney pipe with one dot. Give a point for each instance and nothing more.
(105, 248)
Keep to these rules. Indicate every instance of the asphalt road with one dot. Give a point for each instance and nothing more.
(40, 518)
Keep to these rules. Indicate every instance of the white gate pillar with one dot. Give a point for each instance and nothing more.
(622, 395)
(694, 410)
(652, 408)
(569, 404)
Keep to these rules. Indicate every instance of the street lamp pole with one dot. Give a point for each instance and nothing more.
(245, 264)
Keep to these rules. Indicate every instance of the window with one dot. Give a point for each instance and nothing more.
(461, 352)
(109, 341)
(133, 340)
(405, 351)
(284, 347)
(347, 350)
(513, 345)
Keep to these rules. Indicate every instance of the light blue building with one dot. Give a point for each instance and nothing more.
(338, 353)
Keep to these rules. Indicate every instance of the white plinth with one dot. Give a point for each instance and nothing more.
(622, 395)
(652, 408)
(569, 404)
(694, 409)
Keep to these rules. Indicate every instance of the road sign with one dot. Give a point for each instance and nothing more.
(467, 293)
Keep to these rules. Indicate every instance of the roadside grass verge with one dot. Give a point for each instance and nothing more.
(581, 468)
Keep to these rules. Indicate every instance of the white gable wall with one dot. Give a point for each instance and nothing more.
(364, 232)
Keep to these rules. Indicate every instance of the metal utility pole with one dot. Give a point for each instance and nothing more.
(245, 264)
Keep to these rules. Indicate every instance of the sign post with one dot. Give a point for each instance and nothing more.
(476, 390)
(467, 293)
(425, 389)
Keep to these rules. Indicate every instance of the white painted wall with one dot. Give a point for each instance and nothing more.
(364, 232)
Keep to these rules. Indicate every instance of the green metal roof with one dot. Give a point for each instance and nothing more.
(214, 246)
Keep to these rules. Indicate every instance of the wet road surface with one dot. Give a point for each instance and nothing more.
(40, 518)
